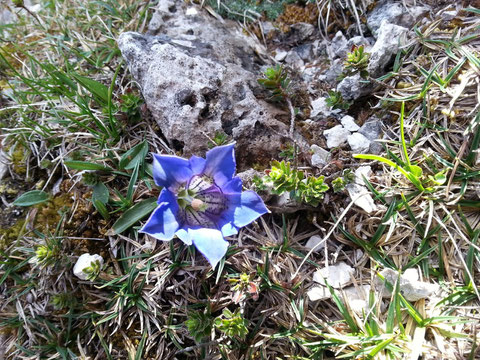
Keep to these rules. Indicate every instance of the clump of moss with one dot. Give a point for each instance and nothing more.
(295, 13)
(50, 213)
(8, 234)
(18, 158)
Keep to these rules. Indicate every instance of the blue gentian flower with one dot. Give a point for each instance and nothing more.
(201, 201)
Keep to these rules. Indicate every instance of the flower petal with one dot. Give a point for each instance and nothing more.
(185, 236)
(228, 229)
(170, 171)
(197, 164)
(233, 186)
(242, 209)
(163, 222)
(221, 164)
(210, 243)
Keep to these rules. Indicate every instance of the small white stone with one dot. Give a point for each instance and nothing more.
(358, 143)
(191, 11)
(320, 108)
(348, 123)
(410, 275)
(319, 293)
(336, 136)
(361, 172)
(83, 262)
(316, 242)
(280, 55)
(320, 156)
(337, 275)
(364, 200)
(410, 287)
(357, 298)
(358, 254)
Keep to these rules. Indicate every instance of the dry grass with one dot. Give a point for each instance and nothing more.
(138, 305)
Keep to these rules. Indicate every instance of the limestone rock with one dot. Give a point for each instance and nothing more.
(315, 242)
(394, 13)
(320, 109)
(337, 275)
(348, 123)
(410, 286)
(358, 143)
(198, 77)
(331, 75)
(361, 172)
(305, 51)
(372, 129)
(353, 87)
(320, 156)
(339, 45)
(294, 59)
(319, 293)
(336, 136)
(357, 298)
(280, 55)
(390, 38)
(361, 197)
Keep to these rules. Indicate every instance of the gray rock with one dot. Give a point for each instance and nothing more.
(372, 129)
(348, 123)
(320, 109)
(410, 286)
(319, 293)
(358, 143)
(362, 172)
(449, 15)
(336, 136)
(337, 275)
(360, 40)
(320, 156)
(353, 87)
(339, 45)
(315, 242)
(301, 32)
(376, 148)
(293, 59)
(305, 52)
(390, 38)
(330, 76)
(280, 55)
(394, 13)
(198, 77)
(361, 197)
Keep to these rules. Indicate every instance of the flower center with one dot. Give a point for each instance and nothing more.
(201, 202)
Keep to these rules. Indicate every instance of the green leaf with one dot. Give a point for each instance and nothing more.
(97, 89)
(100, 193)
(31, 198)
(416, 170)
(134, 156)
(134, 214)
(85, 165)
(101, 208)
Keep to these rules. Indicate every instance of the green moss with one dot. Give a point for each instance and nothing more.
(50, 213)
(18, 158)
(9, 234)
